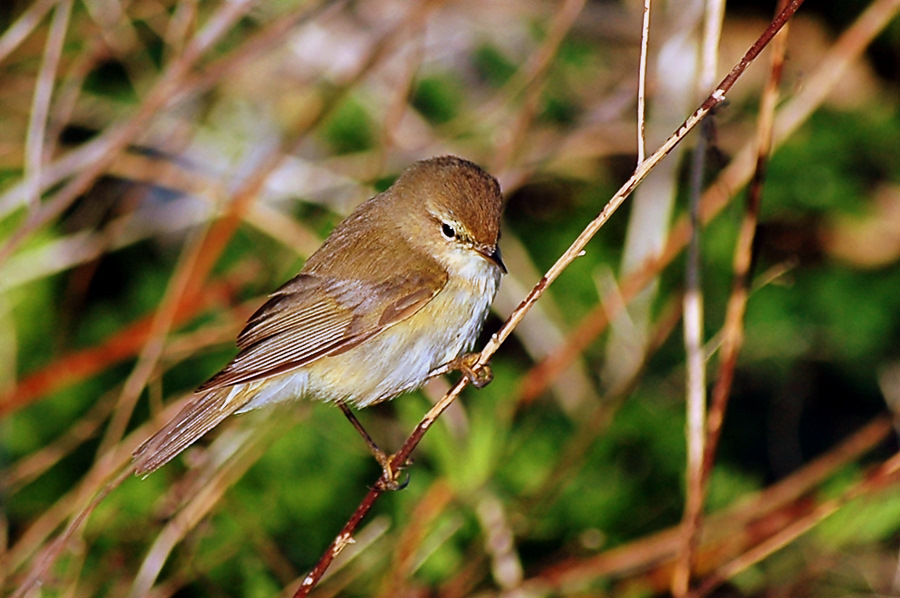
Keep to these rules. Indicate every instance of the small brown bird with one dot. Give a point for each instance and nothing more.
(395, 295)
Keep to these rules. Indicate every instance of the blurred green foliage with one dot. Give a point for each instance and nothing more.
(349, 127)
(438, 97)
(831, 165)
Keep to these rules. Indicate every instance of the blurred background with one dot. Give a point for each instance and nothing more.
(166, 163)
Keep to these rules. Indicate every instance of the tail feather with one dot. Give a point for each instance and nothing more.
(197, 418)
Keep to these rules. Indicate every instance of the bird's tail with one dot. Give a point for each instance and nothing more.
(197, 418)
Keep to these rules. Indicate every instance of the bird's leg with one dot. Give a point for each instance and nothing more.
(390, 478)
(480, 375)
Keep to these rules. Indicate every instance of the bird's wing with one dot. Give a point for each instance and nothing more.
(314, 316)
(199, 416)
(308, 318)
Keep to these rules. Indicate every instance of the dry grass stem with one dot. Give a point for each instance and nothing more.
(40, 107)
(695, 359)
(642, 83)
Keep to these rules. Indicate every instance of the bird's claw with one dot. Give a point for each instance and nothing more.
(479, 374)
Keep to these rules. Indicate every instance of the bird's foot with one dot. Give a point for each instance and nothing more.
(479, 374)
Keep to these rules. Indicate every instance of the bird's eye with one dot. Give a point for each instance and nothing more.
(448, 230)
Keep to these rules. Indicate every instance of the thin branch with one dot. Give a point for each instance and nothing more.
(695, 381)
(734, 320)
(23, 26)
(571, 254)
(650, 218)
(743, 255)
(574, 250)
(40, 105)
(642, 84)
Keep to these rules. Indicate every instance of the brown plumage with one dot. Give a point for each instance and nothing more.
(399, 289)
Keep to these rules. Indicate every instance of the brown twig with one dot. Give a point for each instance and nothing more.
(695, 373)
(575, 249)
(571, 254)
(710, 431)
(743, 255)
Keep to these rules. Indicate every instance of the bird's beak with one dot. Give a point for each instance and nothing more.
(492, 254)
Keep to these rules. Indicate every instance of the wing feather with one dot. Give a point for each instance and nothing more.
(195, 419)
(314, 316)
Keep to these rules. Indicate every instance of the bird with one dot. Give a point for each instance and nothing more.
(396, 294)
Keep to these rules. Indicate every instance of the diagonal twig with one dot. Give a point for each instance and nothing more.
(345, 536)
